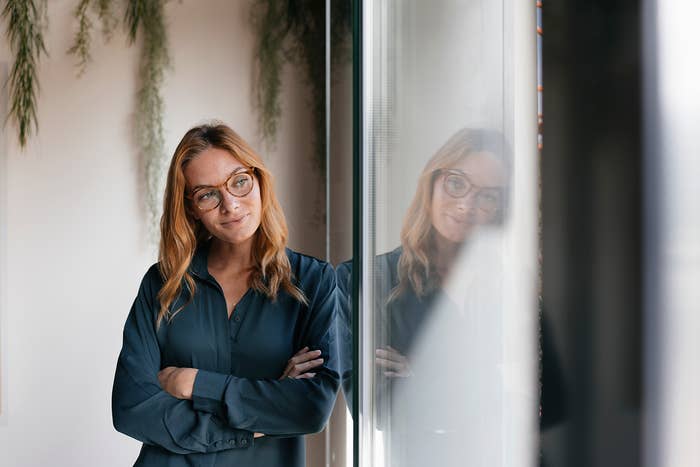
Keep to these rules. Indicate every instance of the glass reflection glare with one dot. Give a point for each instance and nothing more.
(437, 311)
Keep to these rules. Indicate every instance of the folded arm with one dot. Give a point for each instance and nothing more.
(142, 410)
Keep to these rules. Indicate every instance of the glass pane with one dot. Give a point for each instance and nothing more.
(448, 225)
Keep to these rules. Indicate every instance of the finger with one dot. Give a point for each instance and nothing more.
(389, 364)
(165, 373)
(305, 357)
(305, 376)
(168, 370)
(287, 370)
(304, 367)
(305, 349)
(389, 355)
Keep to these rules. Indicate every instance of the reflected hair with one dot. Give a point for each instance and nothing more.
(182, 233)
(416, 270)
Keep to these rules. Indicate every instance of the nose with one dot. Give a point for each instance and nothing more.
(229, 202)
(467, 203)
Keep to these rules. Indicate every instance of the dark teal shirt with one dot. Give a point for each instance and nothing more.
(237, 391)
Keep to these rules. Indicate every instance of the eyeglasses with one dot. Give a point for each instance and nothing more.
(457, 185)
(208, 198)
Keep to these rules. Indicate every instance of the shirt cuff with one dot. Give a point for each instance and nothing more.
(208, 387)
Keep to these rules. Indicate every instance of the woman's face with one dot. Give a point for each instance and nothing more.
(236, 219)
(466, 195)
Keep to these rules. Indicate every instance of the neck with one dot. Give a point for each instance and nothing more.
(232, 257)
(445, 253)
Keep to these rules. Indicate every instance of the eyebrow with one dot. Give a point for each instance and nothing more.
(199, 187)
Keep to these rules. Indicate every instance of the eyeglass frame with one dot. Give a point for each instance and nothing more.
(252, 171)
(472, 186)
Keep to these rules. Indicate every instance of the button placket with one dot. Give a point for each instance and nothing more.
(237, 317)
(234, 322)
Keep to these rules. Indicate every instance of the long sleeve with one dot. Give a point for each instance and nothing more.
(141, 409)
(286, 407)
(344, 327)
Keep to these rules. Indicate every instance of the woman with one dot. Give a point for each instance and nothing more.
(440, 337)
(216, 320)
(461, 188)
(444, 333)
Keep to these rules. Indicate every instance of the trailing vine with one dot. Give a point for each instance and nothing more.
(25, 34)
(143, 18)
(294, 31)
(81, 43)
(147, 17)
(83, 37)
(288, 31)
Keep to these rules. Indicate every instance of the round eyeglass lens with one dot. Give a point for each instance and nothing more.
(207, 199)
(456, 185)
(489, 200)
(240, 184)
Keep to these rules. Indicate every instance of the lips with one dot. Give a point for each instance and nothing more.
(235, 221)
(459, 219)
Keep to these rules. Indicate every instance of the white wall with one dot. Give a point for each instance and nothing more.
(76, 248)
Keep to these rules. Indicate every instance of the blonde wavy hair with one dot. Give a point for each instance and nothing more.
(416, 269)
(181, 233)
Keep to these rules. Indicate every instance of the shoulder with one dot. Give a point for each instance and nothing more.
(310, 272)
(152, 281)
(387, 263)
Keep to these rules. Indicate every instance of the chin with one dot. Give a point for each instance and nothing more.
(454, 236)
(235, 237)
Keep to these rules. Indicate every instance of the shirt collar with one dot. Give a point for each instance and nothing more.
(198, 265)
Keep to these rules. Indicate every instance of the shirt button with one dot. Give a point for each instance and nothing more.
(237, 318)
(244, 442)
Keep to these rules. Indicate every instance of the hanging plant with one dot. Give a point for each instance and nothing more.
(147, 17)
(144, 18)
(294, 31)
(83, 37)
(25, 34)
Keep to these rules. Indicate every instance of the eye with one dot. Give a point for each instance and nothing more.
(241, 181)
(456, 185)
(490, 198)
(204, 195)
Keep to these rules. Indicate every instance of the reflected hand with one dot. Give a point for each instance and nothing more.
(394, 364)
(178, 382)
(299, 365)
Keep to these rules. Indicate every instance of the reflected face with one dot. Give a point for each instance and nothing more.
(466, 195)
(237, 218)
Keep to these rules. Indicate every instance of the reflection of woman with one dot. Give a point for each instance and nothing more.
(461, 187)
(216, 321)
(437, 343)
(442, 390)
(440, 350)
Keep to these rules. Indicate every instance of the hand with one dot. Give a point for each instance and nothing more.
(178, 382)
(299, 365)
(392, 362)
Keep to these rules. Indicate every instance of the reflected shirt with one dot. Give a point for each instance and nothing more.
(236, 392)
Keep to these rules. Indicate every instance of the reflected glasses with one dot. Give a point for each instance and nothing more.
(208, 198)
(457, 185)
